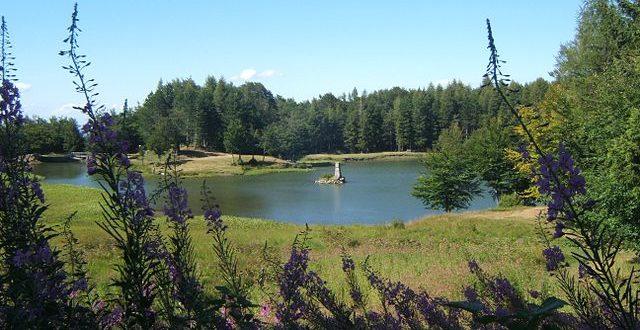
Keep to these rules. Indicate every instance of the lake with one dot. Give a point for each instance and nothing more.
(375, 192)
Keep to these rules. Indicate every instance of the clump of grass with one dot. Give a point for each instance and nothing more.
(396, 224)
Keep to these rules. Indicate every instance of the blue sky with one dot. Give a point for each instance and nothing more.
(297, 49)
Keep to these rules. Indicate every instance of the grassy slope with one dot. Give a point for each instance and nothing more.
(362, 156)
(197, 163)
(200, 163)
(431, 253)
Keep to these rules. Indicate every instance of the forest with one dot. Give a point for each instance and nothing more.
(249, 119)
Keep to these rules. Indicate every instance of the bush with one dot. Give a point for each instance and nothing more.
(509, 200)
(396, 224)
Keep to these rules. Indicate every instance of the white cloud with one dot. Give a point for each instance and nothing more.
(23, 87)
(247, 74)
(67, 110)
(268, 73)
(251, 74)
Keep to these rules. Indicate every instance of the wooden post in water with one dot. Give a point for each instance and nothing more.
(337, 174)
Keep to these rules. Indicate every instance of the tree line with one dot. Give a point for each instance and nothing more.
(56, 135)
(249, 119)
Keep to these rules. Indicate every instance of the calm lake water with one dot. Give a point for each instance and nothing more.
(375, 192)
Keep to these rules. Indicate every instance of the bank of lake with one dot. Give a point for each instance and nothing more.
(429, 253)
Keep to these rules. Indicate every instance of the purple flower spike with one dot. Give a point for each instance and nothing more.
(114, 318)
(534, 294)
(214, 218)
(474, 267)
(582, 271)
(10, 107)
(470, 294)
(21, 258)
(524, 152)
(347, 264)
(558, 231)
(91, 164)
(37, 190)
(177, 210)
(554, 257)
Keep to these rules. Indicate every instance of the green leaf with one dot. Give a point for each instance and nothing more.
(548, 306)
(467, 306)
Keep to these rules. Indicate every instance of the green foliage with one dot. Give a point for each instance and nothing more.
(448, 183)
(599, 78)
(182, 112)
(486, 149)
(509, 200)
(127, 128)
(234, 138)
(57, 135)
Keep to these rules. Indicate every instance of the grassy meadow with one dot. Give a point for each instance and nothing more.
(197, 163)
(387, 155)
(194, 163)
(429, 253)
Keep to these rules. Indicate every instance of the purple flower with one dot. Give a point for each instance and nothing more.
(470, 294)
(10, 107)
(582, 271)
(554, 257)
(265, 310)
(558, 230)
(176, 210)
(148, 290)
(134, 197)
(474, 267)
(21, 258)
(534, 294)
(114, 318)
(37, 190)
(347, 264)
(502, 312)
(174, 272)
(98, 305)
(503, 290)
(124, 160)
(550, 173)
(524, 151)
(356, 296)
(44, 253)
(91, 164)
(214, 218)
(80, 284)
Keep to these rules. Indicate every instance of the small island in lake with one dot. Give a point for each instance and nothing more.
(337, 177)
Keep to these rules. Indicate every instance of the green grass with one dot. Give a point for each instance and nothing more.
(195, 163)
(430, 253)
(387, 155)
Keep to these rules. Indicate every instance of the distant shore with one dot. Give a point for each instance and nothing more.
(206, 164)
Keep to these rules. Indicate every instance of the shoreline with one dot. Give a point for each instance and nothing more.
(213, 164)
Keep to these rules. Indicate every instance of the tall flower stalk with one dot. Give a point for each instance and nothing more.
(33, 290)
(184, 302)
(127, 215)
(608, 288)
